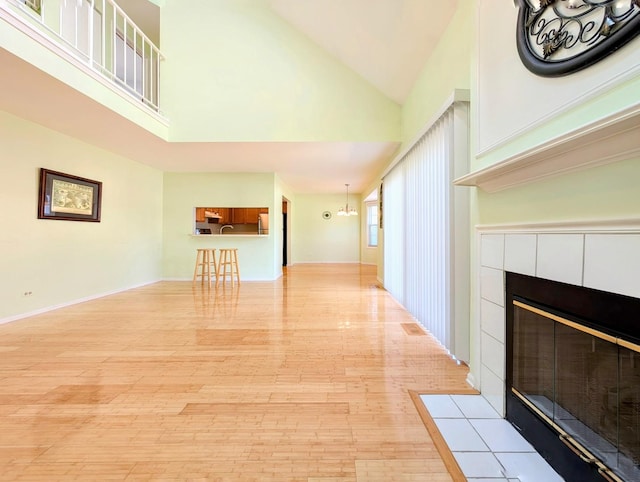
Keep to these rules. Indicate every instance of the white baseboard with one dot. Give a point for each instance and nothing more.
(471, 380)
(248, 280)
(46, 309)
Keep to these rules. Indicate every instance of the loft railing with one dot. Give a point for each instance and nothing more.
(101, 34)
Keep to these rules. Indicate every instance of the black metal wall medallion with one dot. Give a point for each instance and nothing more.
(559, 37)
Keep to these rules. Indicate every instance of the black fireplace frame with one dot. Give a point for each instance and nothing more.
(582, 305)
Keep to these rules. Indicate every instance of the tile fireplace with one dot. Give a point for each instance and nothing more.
(603, 256)
(573, 376)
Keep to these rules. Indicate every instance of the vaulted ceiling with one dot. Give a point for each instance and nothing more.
(386, 41)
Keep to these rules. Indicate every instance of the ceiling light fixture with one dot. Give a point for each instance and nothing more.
(346, 210)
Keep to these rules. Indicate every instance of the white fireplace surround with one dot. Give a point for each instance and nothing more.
(604, 255)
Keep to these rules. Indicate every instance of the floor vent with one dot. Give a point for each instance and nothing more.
(413, 329)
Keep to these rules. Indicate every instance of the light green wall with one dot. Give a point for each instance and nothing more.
(369, 254)
(448, 68)
(52, 17)
(235, 71)
(184, 191)
(605, 192)
(65, 261)
(318, 240)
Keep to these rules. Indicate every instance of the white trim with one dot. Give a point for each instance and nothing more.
(243, 280)
(474, 377)
(563, 109)
(610, 139)
(46, 309)
(458, 95)
(594, 226)
(471, 380)
(73, 59)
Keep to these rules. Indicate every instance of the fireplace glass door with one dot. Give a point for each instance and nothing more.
(583, 382)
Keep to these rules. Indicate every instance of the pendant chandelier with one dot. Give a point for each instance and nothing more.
(346, 210)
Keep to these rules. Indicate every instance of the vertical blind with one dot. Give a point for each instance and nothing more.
(418, 230)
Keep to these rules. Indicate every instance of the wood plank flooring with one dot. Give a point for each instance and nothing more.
(303, 379)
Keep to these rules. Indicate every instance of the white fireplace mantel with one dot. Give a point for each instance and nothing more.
(613, 138)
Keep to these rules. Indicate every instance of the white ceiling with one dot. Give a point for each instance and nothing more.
(383, 40)
(386, 41)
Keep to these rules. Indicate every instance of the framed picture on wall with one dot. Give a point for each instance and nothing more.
(68, 198)
(380, 210)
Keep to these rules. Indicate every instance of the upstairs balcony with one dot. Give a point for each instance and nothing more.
(101, 36)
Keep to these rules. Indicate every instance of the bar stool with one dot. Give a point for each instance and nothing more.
(206, 265)
(228, 265)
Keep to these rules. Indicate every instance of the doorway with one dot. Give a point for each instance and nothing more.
(286, 236)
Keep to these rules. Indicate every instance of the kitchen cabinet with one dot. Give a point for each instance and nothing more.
(252, 215)
(202, 218)
(239, 216)
(246, 215)
(225, 215)
(230, 215)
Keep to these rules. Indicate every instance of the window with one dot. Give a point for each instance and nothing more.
(372, 224)
(426, 241)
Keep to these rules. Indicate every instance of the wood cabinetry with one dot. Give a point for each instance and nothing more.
(202, 218)
(231, 215)
(225, 215)
(252, 215)
(238, 216)
(246, 215)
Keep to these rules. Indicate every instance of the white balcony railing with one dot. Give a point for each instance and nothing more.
(101, 34)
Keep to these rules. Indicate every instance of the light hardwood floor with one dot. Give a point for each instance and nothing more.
(303, 379)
